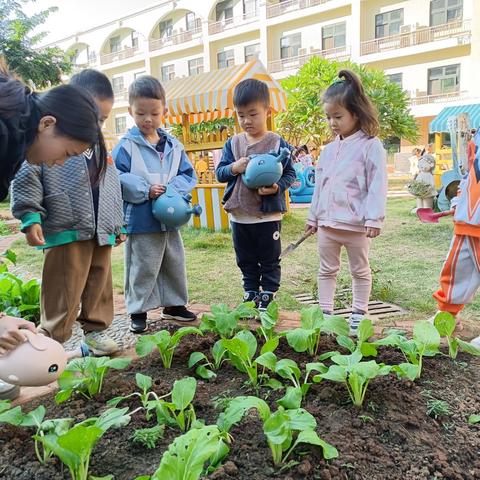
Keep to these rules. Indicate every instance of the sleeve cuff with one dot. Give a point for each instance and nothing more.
(312, 223)
(30, 219)
(374, 223)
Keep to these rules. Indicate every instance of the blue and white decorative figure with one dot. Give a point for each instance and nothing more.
(263, 170)
(173, 209)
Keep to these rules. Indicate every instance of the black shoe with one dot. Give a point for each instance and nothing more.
(138, 322)
(178, 313)
(266, 298)
(251, 296)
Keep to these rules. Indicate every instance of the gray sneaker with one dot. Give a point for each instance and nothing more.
(8, 391)
(476, 342)
(354, 321)
(100, 343)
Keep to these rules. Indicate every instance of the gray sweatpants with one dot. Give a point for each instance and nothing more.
(155, 274)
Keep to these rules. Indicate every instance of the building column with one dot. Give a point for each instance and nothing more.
(206, 46)
(263, 57)
(355, 30)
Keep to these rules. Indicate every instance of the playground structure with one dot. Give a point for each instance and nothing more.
(302, 189)
(207, 97)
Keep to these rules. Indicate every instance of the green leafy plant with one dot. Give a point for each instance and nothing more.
(242, 349)
(85, 376)
(437, 408)
(148, 437)
(225, 322)
(425, 343)
(18, 298)
(364, 333)
(204, 368)
(284, 429)
(189, 456)
(473, 419)
(179, 411)
(74, 447)
(164, 342)
(313, 324)
(268, 321)
(355, 374)
(445, 324)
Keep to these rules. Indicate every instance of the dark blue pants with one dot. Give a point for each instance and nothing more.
(257, 248)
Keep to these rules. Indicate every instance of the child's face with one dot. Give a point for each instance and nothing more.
(148, 114)
(340, 120)
(253, 118)
(52, 148)
(105, 106)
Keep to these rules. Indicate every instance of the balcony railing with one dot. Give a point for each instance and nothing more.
(121, 95)
(291, 6)
(178, 38)
(340, 54)
(418, 36)
(439, 98)
(116, 56)
(222, 25)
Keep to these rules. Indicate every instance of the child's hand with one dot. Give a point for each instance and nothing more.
(34, 235)
(310, 229)
(120, 239)
(240, 165)
(373, 232)
(268, 190)
(156, 190)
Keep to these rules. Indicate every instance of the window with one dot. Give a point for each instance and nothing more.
(388, 23)
(139, 74)
(224, 11)
(396, 78)
(120, 125)
(445, 11)
(250, 8)
(195, 66)
(290, 45)
(252, 52)
(117, 84)
(74, 56)
(166, 28)
(115, 44)
(168, 72)
(333, 36)
(190, 21)
(225, 59)
(443, 79)
(134, 40)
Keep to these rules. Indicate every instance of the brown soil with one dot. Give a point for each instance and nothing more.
(392, 437)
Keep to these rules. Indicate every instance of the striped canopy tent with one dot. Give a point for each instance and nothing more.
(440, 122)
(209, 96)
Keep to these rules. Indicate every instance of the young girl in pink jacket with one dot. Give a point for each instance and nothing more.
(348, 205)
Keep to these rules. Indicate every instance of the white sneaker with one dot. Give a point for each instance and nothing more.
(100, 343)
(476, 342)
(354, 321)
(8, 391)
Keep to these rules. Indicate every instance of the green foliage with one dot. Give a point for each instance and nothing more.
(148, 437)
(473, 419)
(204, 368)
(268, 321)
(85, 376)
(18, 298)
(284, 429)
(19, 45)
(313, 323)
(164, 342)
(355, 374)
(437, 408)
(224, 321)
(207, 127)
(305, 121)
(74, 446)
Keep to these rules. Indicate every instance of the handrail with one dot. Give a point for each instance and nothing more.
(178, 38)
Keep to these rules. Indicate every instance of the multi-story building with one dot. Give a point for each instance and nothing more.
(429, 47)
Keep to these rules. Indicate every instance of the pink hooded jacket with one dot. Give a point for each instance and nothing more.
(350, 184)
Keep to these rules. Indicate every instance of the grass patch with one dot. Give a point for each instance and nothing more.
(406, 258)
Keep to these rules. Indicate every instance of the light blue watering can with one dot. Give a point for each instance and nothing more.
(173, 209)
(263, 170)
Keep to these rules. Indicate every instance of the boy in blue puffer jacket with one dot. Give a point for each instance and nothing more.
(148, 159)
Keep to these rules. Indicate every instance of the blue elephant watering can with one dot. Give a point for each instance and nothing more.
(173, 209)
(263, 170)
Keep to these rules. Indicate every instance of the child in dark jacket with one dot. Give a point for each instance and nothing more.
(255, 215)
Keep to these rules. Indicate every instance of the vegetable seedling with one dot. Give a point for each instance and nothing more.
(148, 437)
(225, 322)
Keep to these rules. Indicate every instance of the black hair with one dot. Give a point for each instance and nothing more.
(349, 93)
(146, 86)
(249, 91)
(21, 110)
(95, 82)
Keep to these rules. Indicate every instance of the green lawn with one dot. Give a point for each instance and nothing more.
(407, 259)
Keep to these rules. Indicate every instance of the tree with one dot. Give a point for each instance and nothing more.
(305, 121)
(19, 46)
